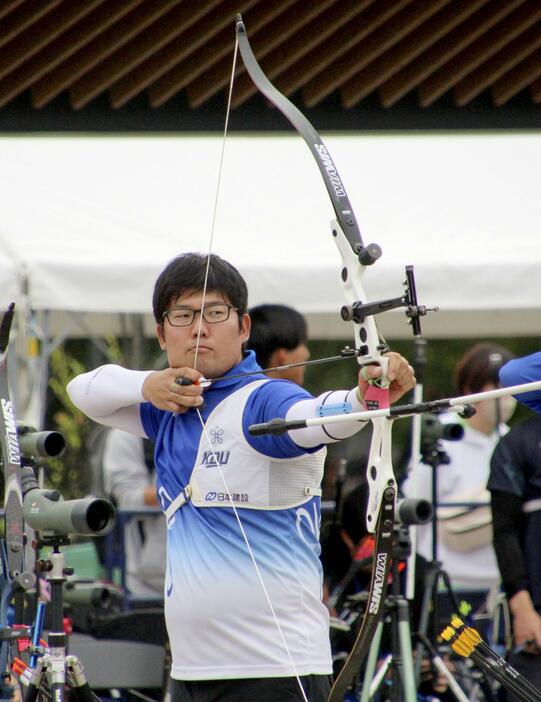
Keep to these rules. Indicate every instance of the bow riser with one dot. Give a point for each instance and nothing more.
(351, 279)
(380, 473)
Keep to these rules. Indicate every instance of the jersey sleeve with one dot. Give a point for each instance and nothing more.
(524, 370)
(273, 400)
(151, 418)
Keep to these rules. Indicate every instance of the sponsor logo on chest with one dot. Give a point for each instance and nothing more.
(215, 456)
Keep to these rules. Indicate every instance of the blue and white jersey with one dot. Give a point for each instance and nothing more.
(524, 370)
(219, 621)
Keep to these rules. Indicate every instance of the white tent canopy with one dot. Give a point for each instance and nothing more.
(86, 224)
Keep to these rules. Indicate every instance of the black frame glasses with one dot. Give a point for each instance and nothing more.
(221, 310)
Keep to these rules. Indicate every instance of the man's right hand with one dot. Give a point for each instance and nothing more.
(161, 390)
(526, 622)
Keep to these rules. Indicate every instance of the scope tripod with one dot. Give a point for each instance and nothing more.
(435, 575)
(397, 666)
(54, 668)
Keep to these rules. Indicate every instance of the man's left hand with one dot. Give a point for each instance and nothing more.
(399, 372)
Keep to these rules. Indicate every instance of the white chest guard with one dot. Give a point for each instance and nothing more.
(254, 481)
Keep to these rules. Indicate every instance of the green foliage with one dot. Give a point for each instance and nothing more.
(68, 473)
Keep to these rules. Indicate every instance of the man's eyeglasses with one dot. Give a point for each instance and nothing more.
(212, 314)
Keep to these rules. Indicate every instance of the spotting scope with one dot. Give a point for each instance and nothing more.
(412, 510)
(432, 430)
(47, 511)
(39, 444)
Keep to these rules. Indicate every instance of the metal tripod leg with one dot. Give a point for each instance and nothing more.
(401, 657)
(404, 639)
(71, 671)
(434, 574)
(370, 669)
(77, 680)
(440, 666)
(55, 667)
(430, 587)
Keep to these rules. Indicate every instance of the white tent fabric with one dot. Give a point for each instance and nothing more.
(9, 283)
(88, 222)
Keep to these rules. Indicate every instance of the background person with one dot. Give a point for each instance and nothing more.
(130, 479)
(278, 336)
(465, 477)
(515, 487)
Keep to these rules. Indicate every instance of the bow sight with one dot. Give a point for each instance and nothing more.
(358, 311)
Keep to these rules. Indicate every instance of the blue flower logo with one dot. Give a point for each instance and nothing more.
(216, 435)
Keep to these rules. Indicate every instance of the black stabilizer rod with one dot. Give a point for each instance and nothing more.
(276, 427)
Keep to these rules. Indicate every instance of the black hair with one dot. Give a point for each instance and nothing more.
(479, 366)
(275, 327)
(187, 272)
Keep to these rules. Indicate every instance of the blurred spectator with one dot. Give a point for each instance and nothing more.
(129, 478)
(468, 557)
(515, 486)
(278, 337)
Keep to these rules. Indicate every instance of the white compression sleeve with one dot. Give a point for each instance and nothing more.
(334, 402)
(110, 395)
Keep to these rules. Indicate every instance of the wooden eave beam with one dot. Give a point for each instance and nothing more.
(502, 62)
(200, 63)
(518, 78)
(61, 49)
(315, 36)
(373, 46)
(53, 83)
(185, 44)
(21, 18)
(133, 54)
(380, 70)
(316, 61)
(453, 71)
(535, 91)
(444, 51)
(8, 6)
(276, 33)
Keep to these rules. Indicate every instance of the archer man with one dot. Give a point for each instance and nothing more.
(243, 580)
